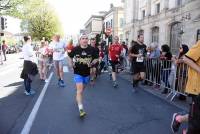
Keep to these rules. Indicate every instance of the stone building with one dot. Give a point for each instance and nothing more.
(169, 22)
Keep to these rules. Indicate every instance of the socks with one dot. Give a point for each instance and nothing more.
(80, 107)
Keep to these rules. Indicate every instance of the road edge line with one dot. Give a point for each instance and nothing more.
(31, 118)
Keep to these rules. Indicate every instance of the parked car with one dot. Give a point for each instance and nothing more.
(11, 49)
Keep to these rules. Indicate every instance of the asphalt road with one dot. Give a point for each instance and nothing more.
(109, 110)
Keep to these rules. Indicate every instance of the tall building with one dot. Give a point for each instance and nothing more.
(171, 22)
(114, 21)
(94, 25)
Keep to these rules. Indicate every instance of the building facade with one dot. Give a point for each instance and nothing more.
(114, 21)
(94, 25)
(171, 22)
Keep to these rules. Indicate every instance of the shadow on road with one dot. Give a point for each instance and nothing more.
(15, 84)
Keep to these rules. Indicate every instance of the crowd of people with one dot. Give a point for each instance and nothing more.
(149, 65)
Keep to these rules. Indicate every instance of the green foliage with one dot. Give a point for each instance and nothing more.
(38, 18)
(10, 7)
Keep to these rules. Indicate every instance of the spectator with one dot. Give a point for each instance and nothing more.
(4, 49)
(192, 59)
(166, 57)
(181, 71)
(29, 67)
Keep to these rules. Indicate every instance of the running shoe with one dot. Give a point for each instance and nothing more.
(82, 113)
(115, 85)
(175, 124)
(61, 83)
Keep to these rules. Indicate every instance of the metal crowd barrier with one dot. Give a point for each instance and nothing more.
(167, 74)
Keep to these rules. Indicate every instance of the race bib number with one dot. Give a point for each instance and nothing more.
(140, 59)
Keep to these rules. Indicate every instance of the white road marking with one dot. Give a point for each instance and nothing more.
(31, 118)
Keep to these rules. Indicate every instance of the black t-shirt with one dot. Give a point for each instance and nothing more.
(138, 49)
(82, 58)
(96, 51)
(166, 62)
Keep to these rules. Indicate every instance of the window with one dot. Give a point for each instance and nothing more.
(198, 34)
(157, 8)
(155, 34)
(179, 2)
(175, 37)
(143, 13)
(106, 25)
(121, 22)
(141, 32)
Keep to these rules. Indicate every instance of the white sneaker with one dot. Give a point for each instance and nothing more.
(27, 93)
(32, 92)
(46, 80)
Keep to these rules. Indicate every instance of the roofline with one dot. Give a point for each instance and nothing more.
(113, 9)
(93, 16)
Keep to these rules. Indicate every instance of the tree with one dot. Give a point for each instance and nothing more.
(40, 20)
(10, 7)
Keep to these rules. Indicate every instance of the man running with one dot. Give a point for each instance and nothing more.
(58, 48)
(137, 53)
(93, 70)
(114, 53)
(82, 58)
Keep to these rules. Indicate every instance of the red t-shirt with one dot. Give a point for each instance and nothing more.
(114, 50)
(69, 48)
(101, 54)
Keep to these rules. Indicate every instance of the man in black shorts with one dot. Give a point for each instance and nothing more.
(93, 70)
(137, 52)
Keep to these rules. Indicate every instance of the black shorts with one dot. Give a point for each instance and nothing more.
(194, 116)
(138, 67)
(114, 65)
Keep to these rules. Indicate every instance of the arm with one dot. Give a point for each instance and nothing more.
(191, 63)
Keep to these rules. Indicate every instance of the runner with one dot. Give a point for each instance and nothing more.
(137, 53)
(94, 68)
(42, 60)
(82, 58)
(58, 48)
(114, 52)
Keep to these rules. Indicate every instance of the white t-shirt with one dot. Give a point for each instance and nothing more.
(58, 50)
(28, 52)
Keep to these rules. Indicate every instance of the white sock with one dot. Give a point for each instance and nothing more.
(80, 107)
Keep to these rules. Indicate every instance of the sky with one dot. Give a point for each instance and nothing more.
(13, 25)
(73, 14)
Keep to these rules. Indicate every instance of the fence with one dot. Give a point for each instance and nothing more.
(167, 74)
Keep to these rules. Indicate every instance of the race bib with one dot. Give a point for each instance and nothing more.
(140, 59)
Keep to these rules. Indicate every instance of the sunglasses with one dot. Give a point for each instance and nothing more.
(84, 38)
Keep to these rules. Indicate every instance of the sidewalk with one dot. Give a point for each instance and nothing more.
(12, 59)
(156, 92)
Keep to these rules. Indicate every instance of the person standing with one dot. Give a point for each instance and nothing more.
(4, 49)
(192, 59)
(114, 54)
(137, 52)
(58, 49)
(82, 58)
(29, 67)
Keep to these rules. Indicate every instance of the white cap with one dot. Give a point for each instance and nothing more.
(83, 35)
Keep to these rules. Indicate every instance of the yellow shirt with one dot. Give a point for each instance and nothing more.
(193, 83)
